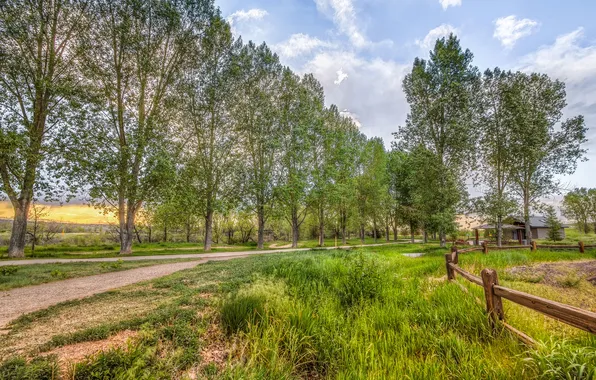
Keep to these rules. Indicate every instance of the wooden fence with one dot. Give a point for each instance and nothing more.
(533, 247)
(493, 294)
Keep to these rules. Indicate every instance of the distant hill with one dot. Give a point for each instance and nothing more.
(68, 213)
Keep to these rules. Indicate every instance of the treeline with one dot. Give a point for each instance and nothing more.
(579, 205)
(153, 109)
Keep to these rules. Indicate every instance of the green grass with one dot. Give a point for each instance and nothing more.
(367, 313)
(163, 248)
(16, 276)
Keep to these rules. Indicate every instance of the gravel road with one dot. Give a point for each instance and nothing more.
(19, 301)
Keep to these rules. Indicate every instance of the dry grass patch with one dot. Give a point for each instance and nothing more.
(77, 316)
(69, 355)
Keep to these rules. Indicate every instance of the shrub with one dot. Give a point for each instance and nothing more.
(571, 280)
(8, 270)
(559, 360)
(38, 369)
(362, 281)
(58, 274)
(240, 311)
(112, 265)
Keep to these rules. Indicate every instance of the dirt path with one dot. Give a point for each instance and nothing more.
(197, 256)
(19, 301)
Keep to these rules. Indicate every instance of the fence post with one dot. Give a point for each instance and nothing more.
(534, 248)
(485, 247)
(494, 305)
(582, 248)
(450, 258)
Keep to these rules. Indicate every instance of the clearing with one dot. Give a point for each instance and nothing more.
(368, 313)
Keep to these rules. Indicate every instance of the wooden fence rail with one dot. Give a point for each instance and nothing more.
(493, 294)
(533, 247)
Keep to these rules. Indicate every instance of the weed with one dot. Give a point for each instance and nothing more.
(58, 274)
(112, 265)
(8, 270)
(18, 368)
(560, 360)
(240, 311)
(570, 280)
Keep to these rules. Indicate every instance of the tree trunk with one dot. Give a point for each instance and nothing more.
(412, 233)
(343, 224)
(149, 234)
(128, 235)
(442, 238)
(261, 227)
(395, 233)
(499, 231)
(208, 230)
(138, 235)
(188, 232)
(165, 232)
(527, 219)
(425, 239)
(375, 229)
(295, 229)
(362, 233)
(321, 227)
(387, 231)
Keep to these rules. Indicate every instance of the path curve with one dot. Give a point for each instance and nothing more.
(19, 301)
(197, 256)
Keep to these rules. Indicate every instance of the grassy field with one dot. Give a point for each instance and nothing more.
(162, 248)
(366, 313)
(24, 275)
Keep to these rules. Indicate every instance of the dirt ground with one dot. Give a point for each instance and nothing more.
(557, 274)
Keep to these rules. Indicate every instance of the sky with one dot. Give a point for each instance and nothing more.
(360, 50)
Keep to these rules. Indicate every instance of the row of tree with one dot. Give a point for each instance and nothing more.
(154, 106)
(502, 131)
(144, 105)
(579, 205)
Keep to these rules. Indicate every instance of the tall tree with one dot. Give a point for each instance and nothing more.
(257, 118)
(441, 93)
(138, 52)
(301, 104)
(39, 52)
(401, 176)
(543, 146)
(211, 146)
(348, 143)
(495, 158)
(578, 205)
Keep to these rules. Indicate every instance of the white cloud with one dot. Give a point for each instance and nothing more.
(372, 96)
(450, 3)
(439, 32)
(300, 44)
(341, 76)
(353, 116)
(251, 14)
(343, 14)
(573, 61)
(510, 29)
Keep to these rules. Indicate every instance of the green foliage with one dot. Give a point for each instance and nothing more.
(553, 224)
(363, 281)
(112, 265)
(8, 270)
(241, 311)
(580, 205)
(560, 360)
(18, 368)
(56, 273)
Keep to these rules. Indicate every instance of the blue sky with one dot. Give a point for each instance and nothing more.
(360, 50)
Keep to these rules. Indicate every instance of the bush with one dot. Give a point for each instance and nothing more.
(363, 281)
(241, 311)
(8, 270)
(38, 369)
(559, 360)
(112, 265)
